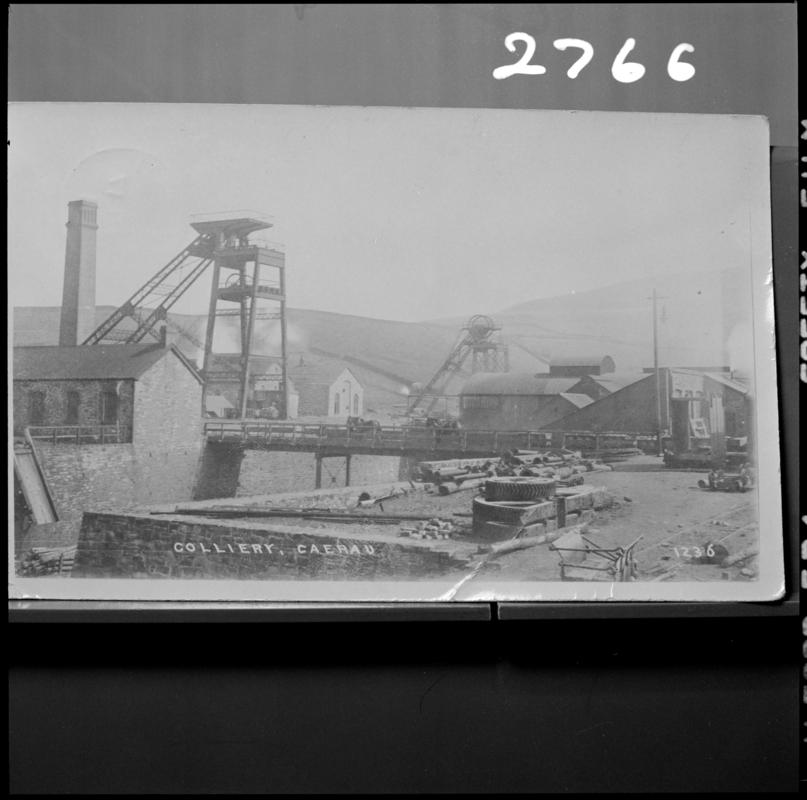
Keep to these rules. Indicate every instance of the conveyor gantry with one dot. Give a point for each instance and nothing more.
(149, 305)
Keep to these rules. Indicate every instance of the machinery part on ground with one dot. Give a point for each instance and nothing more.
(720, 481)
(519, 488)
(583, 560)
(511, 512)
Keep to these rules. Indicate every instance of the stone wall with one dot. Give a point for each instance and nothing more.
(159, 466)
(55, 396)
(80, 477)
(218, 472)
(99, 476)
(265, 472)
(167, 432)
(120, 546)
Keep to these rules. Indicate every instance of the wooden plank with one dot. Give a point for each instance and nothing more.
(33, 488)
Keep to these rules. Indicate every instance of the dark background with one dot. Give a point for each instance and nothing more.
(510, 698)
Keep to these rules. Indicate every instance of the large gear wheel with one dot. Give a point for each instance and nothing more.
(519, 488)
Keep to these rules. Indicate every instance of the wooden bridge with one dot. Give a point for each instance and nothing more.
(408, 441)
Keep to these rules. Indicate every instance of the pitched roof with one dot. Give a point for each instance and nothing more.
(515, 383)
(313, 379)
(89, 362)
(735, 383)
(614, 381)
(217, 403)
(579, 400)
(576, 360)
(316, 371)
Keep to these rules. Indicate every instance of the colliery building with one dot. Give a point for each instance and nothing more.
(100, 426)
(516, 401)
(522, 401)
(326, 389)
(697, 409)
(685, 395)
(106, 426)
(578, 366)
(599, 386)
(126, 390)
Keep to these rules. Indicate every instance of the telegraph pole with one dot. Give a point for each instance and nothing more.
(655, 298)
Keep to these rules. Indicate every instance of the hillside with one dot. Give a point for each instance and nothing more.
(695, 312)
(407, 351)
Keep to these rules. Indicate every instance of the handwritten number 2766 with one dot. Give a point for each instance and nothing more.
(622, 70)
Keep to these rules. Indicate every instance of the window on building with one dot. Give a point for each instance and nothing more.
(109, 408)
(336, 403)
(731, 423)
(36, 408)
(481, 401)
(355, 405)
(71, 413)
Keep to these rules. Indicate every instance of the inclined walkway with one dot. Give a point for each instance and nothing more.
(32, 483)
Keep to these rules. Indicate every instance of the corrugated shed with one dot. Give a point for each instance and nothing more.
(731, 383)
(576, 361)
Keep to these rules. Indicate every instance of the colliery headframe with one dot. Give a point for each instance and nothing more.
(248, 285)
(479, 343)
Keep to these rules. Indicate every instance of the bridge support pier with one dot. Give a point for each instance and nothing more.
(406, 467)
(318, 457)
(218, 471)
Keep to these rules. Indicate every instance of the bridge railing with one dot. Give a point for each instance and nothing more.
(391, 437)
(81, 434)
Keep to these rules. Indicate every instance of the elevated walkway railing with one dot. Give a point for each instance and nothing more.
(308, 436)
(81, 434)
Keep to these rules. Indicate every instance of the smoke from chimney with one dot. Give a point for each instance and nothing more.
(78, 292)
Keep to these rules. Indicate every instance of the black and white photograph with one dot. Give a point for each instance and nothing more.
(292, 353)
(402, 398)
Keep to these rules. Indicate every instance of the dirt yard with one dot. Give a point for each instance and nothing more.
(680, 526)
(684, 532)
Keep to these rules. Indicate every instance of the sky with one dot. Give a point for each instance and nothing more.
(392, 213)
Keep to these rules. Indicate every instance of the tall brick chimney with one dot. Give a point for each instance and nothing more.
(78, 292)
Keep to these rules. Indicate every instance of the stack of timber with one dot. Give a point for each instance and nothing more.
(564, 467)
(47, 561)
